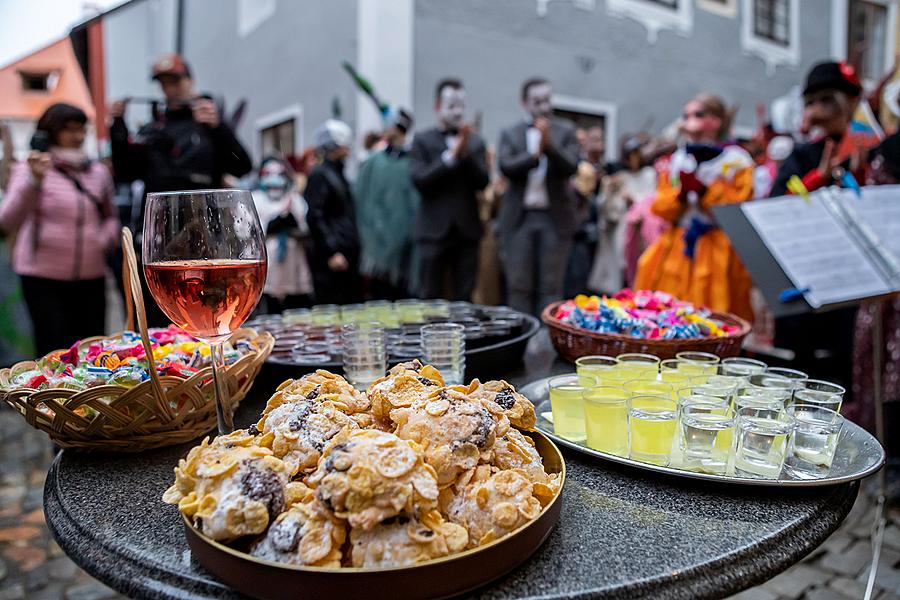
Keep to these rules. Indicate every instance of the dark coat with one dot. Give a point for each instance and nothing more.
(449, 193)
(562, 161)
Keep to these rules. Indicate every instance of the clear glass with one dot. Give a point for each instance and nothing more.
(325, 314)
(821, 393)
(595, 366)
(567, 405)
(444, 346)
(741, 367)
(706, 437)
(634, 365)
(797, 377)
(687, 397)
(646, 387)
(364, 353)
(651, 425)
(606, 419)
(813, 441)
(759, 403)
(204, 258)
(698, 363)
(761, 444)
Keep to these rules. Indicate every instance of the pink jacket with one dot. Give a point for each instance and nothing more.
(72, 236)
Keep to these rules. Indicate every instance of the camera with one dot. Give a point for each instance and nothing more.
(40, 141)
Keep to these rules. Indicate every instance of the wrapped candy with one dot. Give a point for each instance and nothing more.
(641, 314)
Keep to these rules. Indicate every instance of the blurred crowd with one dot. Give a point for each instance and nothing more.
(437, 211)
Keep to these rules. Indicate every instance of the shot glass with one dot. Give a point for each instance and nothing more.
(759, 403)
(297, 316)
(772, 385)
(595, 366)
(797, 377)
(444, 347)
(761, 444)
(325, 314)
(821, 393)
(706, 437)
(634, 365)
(813, 442)
(741, 367)
(698, 363)
(646, 387)
(606, 419)
(687, 397)
(651, 426)
(567, 405)
(364, 353)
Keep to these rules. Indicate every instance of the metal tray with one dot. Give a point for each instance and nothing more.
(438, 578)
(483, 361)
(858, 453)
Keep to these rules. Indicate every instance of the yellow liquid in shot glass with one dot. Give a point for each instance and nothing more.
(606, 421)
(567, 406)
(651, 440)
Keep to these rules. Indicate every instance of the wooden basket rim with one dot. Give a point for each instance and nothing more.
(551, 321)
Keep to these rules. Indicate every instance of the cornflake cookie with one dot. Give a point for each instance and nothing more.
(517, 451)
(367, 475)
(454, 432)
(493, 507)
(499, 395)
(402, 541)
(403, 385)
(305, 534)
(231, 487)
(300, 429)
(320, 386)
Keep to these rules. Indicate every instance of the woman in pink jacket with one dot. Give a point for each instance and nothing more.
(59, 209)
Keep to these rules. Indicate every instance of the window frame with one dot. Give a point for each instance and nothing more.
(291, 112)
(654, 16)
(772, 53)
(600, 108)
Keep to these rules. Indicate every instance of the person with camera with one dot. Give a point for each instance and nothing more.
(186, 146)
(59, 209)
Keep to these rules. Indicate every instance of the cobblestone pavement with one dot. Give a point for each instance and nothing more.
(33, 567)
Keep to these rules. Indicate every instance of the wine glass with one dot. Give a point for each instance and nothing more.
(204, 258)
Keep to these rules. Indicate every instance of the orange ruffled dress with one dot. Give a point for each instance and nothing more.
(715, 277)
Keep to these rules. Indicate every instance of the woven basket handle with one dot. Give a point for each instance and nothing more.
(134, 305)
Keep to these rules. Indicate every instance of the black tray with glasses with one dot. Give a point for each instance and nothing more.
(496, 337)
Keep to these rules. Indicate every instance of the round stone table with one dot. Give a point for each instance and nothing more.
(622, 533)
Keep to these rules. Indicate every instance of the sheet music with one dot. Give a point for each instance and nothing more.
(879, 208)
(814, 250)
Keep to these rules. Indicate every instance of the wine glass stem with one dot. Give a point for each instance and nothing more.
(223, 412)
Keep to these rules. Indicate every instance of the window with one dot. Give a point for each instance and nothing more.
(656, 15)
(867, 37)
(35, 82)
(770, 29)
(587, 113)
(724, 8)
(278, 139)
(771, 20)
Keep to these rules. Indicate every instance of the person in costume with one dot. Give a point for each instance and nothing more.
(830, 98)
(694, 259)
(386, 204)
(282, 212)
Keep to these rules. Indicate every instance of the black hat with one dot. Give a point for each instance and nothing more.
(833, 76)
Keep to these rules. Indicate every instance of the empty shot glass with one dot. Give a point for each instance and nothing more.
(567, 405)
(813, 442)
(651, 426)
(741, 367)
(761, 444)
(364, 353)
(706, 437)
(444, 347)
(821, 393)
(606, 419)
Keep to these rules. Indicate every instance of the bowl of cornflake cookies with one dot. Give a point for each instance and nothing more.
(411, 489)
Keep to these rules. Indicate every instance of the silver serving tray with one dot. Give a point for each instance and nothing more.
(858, 453)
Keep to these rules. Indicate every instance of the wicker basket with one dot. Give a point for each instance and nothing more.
(161, 411)
(572, 342)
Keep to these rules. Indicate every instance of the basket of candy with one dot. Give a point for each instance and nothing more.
(640, 321)
(131, 391)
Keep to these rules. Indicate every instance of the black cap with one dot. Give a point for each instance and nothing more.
(833, 76)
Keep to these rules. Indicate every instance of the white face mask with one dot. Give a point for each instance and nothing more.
(71, 157)
(452, 108)
(538, 102)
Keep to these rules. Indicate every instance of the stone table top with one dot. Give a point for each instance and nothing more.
(623, 533)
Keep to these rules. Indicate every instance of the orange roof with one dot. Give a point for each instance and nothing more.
(59, 59)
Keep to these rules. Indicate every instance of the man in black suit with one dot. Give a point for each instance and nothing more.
(448, 166)
(538, 214)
